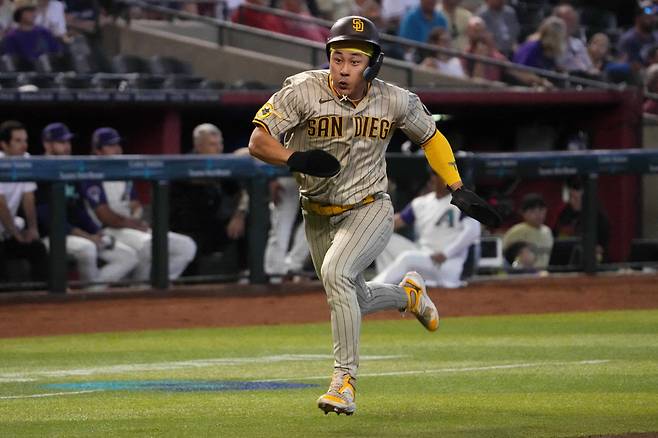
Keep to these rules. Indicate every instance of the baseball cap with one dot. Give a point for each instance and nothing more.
(105, 136)
(56, 132)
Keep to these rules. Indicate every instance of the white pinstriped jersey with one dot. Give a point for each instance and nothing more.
(311, 116)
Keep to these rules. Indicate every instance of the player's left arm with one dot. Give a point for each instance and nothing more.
(418, 124)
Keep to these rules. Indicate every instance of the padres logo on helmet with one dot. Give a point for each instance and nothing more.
(357, 24)
(356, 28)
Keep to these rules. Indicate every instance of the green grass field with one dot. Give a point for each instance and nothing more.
(560, 375)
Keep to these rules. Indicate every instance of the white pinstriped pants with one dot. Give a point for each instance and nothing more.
(342, 247)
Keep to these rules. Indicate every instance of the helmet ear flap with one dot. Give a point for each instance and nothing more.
(371, 72)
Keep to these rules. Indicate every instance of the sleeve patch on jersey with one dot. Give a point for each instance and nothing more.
(266, 111)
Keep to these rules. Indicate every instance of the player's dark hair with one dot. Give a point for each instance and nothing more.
(7, 128)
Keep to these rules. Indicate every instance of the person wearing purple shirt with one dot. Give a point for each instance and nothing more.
(85, 240)
(636, 41)
(543, 52)
(27, 40)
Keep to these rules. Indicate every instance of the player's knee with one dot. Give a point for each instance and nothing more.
(87, 252)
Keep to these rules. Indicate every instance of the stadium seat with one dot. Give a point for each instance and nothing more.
(51, 63)
(10, 64)
(130, 64)
(166, 65)
(249, 85)
(109, 81)
(183, 82)
(8, 80)
(140, 82)
(74, 81)
(213, 85)
(45, 81)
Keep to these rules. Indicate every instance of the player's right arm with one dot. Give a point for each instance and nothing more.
(267, 148)
(283, 112)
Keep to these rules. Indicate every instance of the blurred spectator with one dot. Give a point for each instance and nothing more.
(19, 238)
(419, 21)
(569, 221)
(636, 41)
(262, 20)
(598, 49)
(457, 17)
(114, 206)
(50, 14)
(83, 16)
(443, 236)
(575, 57)
(481, 42)
(6, 16)
(28, 41)
(651, 84)
(301, 28)
(502, 22)
(542, 52)
(211, 211)
(531, 231)
(394, 10)
(85, 241)
(613, 70)
(445, 64)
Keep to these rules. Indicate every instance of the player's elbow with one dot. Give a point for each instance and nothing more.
(256, 143)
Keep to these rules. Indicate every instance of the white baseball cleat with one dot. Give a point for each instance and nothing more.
(340, 396)
(419, 303)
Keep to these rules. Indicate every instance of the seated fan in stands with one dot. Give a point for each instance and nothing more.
(27, 41)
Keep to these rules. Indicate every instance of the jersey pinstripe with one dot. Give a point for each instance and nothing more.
(310, 116)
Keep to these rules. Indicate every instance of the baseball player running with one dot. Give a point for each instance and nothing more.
(337, 125)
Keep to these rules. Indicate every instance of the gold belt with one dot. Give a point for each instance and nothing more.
(333, 210)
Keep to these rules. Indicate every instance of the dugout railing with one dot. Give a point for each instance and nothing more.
(160, 170)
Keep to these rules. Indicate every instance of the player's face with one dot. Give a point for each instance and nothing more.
(17, 145)
(110, 149)
(346, 69)
(58, 147)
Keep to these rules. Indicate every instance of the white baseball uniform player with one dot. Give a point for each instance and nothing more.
(443, 236)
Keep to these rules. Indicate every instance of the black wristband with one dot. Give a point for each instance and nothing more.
(314, 162)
